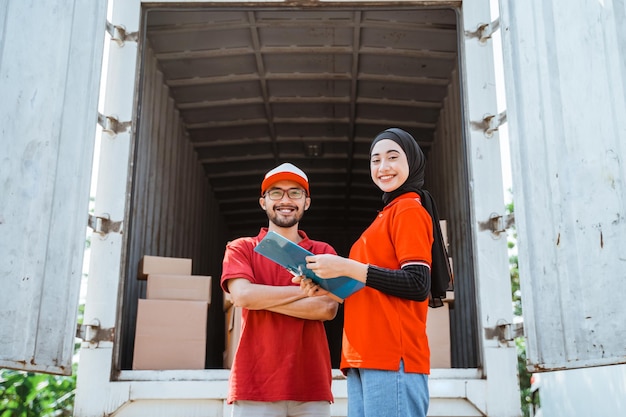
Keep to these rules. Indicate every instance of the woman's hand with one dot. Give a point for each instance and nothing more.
(325, 266)
(332, 266)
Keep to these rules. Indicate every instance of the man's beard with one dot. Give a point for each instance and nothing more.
(281, 221)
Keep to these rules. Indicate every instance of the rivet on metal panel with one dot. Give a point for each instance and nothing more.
(111, 125)
(103, 224)
(119, 34)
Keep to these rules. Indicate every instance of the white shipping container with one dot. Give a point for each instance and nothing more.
(202, 98)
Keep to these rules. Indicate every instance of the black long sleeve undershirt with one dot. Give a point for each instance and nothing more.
(412, 282)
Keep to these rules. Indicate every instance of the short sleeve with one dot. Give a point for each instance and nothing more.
(412, 233)
(237, 261)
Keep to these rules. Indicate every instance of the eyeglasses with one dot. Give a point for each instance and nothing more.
(293, 193)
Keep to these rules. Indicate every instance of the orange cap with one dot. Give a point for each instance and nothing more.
(285, 172)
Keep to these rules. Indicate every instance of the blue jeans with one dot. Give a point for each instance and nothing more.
(376, 393)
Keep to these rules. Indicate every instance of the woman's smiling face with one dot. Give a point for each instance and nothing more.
(389, 166)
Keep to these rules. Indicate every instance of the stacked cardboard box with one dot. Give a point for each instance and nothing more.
(172, 319)
(163, 265)
(179, 287)
(171, 334)
(438, 331)
(232, 327)
(438, 322)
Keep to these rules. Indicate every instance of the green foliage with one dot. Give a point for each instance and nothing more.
(524, 377)
(29, 394)
(516, 296)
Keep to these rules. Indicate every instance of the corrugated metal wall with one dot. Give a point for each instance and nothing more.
(447, 179)
(172, 209)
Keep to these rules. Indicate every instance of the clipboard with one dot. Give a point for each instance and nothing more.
(292, 257)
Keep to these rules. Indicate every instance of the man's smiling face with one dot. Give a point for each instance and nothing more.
(286, 211)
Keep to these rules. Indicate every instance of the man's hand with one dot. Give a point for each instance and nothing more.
(310, 288)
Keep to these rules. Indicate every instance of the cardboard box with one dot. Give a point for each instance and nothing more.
(443, 224)
(171, 334)
(438, 331)
(179, 287)
(163, 265)
(233, 333)
(227, 301)
(451, 286)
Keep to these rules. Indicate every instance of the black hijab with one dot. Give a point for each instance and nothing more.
(441, 274)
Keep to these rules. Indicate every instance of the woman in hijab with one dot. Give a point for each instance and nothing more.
(401, 260)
